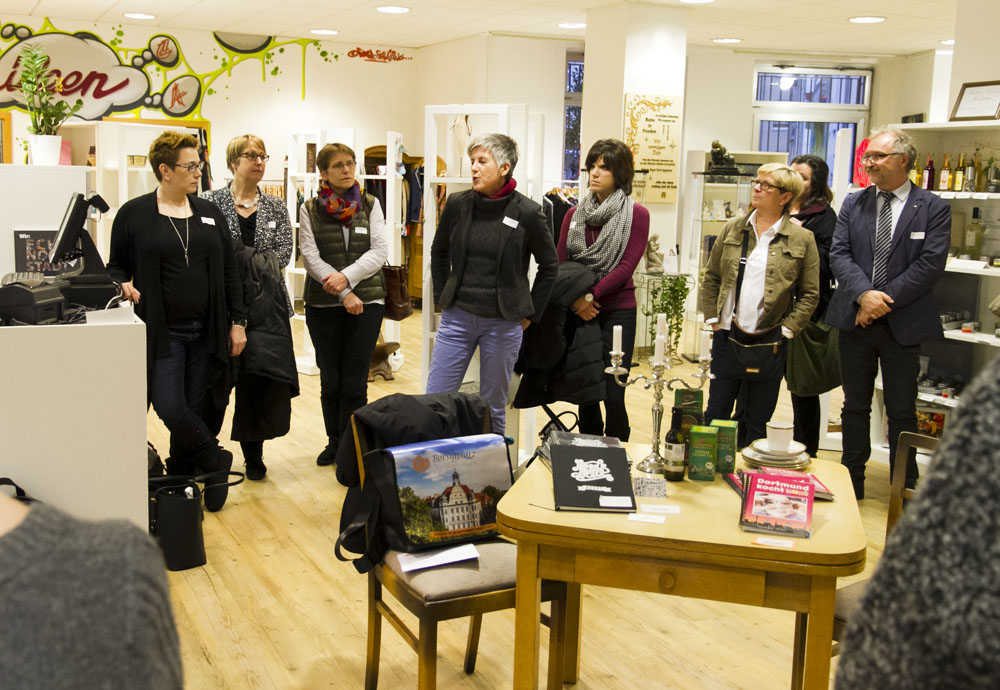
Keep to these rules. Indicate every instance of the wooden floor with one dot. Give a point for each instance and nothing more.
(273, 608)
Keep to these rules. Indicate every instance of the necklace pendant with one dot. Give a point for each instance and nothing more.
(186, 262)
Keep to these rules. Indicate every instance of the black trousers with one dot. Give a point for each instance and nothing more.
(861, 352)
(617, 423)
(758, 397)
(807, 421)
(344, 345)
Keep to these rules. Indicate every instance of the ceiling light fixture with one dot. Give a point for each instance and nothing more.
(727, 40)
(392, 9)
(867, 20)
(947, 42)
(139, 15)
(785, 83)
(324, 32)
(573, 25)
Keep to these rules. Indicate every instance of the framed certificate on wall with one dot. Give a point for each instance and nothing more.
(978, 100)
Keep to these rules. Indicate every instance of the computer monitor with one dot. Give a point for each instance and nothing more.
(90, 284)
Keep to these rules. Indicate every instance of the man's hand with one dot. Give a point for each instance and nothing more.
(237, 340)
(873, 304)
(334, 283)
(353, 305)
(130, 293)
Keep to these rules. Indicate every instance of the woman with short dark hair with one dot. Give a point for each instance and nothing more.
(479, 265)
(172, 254)
(607, 233)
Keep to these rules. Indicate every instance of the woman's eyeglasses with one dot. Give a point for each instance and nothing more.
(252, 157)
(765, 186)
(191, 167)
(344, 165)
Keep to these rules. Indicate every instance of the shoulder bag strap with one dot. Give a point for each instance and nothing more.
(743, 266)
(19, 493)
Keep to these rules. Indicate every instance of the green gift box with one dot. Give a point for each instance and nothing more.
(725, 458)
(704, 449)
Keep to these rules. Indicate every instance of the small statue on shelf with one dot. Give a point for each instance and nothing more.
(723, 162)
(653, 257)
(729, 209)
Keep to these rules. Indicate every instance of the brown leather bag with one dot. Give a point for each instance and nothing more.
(397, 296)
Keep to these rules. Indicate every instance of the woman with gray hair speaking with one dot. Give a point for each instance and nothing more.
(479, 266)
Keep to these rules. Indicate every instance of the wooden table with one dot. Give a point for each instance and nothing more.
(700, 552)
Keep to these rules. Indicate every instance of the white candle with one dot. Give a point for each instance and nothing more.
(705, 347)
(661, 324)
(658, 349)
(616, 339)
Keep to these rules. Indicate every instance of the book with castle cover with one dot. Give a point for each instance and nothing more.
(777, 504)
(592, 478)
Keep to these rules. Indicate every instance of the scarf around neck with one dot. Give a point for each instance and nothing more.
(614, 217)
(341, 208)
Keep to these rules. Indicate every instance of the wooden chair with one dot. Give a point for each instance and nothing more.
(849, 597)
(470, 588)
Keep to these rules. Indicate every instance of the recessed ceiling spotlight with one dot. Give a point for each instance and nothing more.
(573, 25)
(392, 9)
(948, 42)
(324, 32)
(697, 2)
(727, 40)
(139, 15)
(867, 20)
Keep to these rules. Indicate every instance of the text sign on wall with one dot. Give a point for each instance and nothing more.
(652, 131)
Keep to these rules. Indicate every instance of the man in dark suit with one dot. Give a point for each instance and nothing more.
(889, 249)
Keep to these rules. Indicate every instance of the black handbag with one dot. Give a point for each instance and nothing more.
(175, 517)
(397, 296)
(813, 360)
(755, 356)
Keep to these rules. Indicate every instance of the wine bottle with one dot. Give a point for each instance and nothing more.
(674, 448)
(958, 178)
(916, 172)
(927, 181)
(945, 177)
(973, 244)
(970, 174)
(980, 178)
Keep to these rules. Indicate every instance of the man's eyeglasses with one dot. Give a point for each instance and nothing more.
(191, 167)
(765, 186)
(252, 157)
(875, 157)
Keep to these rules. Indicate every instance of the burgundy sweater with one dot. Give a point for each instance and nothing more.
(616, 290)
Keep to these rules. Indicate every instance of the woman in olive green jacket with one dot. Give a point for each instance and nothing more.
(777, 296)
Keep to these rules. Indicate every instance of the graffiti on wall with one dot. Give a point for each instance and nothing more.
(111, 77)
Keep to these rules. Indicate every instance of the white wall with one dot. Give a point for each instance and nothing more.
(975, 56)
(719, 98)
(919, 73)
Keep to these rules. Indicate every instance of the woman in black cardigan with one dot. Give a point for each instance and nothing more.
(172, 254)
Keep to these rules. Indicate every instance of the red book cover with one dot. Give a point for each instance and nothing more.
(822, 492)
(777, 505)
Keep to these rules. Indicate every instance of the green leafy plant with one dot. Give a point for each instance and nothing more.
(668, 298)
(47, 110)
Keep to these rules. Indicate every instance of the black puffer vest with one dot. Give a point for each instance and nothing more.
(329, 237)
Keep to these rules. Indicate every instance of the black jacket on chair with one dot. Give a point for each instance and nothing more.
(524, 232)
(562, 356)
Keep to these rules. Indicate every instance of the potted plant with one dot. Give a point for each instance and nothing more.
(668, 298)
(47, 110)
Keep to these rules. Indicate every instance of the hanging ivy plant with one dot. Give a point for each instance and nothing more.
(668, 298)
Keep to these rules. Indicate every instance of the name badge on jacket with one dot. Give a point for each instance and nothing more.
(917, 235)
(510, 222)
(361, 231)
(272, 224)
(209, 221)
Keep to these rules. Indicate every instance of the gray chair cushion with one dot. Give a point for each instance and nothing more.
(494, 570)
(848, 600)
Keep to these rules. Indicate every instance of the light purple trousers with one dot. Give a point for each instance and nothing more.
(457, 338)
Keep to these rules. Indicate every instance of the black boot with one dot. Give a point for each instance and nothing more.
(253, 456)
(329, 455)
(215, 462)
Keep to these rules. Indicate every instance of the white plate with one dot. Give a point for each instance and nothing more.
(795, 449)
(752, 457)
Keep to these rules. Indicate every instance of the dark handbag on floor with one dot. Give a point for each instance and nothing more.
(175, 517)
(397, 296)
(755, 356)
(813, 360)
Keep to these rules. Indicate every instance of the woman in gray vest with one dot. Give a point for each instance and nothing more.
(344, 242)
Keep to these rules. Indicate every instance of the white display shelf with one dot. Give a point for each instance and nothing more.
(951, 127)
(979, 338)
(435, 179)
(971, 267)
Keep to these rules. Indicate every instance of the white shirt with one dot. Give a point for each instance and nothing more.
(897, 202)
(367, 265)
(751, 307)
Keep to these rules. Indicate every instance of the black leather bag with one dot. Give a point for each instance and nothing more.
(813, 365)
(175, 517)
(757, 356)
(397, 296)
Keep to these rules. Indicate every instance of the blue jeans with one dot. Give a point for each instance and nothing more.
(457, 338)
(344, 346)
(177, 390)
(616, 424)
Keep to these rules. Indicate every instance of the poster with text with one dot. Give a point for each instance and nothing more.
(652, 131)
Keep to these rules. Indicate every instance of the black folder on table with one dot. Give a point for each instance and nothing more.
(594, 479)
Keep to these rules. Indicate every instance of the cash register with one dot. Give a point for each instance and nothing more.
(36, 298)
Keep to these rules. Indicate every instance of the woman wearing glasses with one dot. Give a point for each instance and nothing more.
(172, 255)
(266, 379)
(754, 307)
(344, 242)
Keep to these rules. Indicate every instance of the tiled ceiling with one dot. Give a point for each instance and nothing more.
(801, 26)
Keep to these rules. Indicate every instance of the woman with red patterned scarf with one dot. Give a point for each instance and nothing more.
(344, 242)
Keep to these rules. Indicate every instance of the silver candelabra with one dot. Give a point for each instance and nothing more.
(654, 461)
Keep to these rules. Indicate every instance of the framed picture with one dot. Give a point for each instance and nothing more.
(5, 140)
(978, 100)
